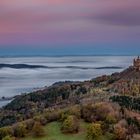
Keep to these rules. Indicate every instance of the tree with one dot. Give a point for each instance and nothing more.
(38, 129)
(5, 131)
(29, 124)
(110, 119)
(20, 130)
(51, 116)
(88, 113)
(8, 138)
(41, 119)
(70, 125)
(75, 110)
(120, 132)
(94, 131)
(135, 90)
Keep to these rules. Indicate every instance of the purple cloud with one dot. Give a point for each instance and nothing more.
(122, 13)
(69, 21)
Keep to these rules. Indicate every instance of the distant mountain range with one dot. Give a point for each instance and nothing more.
(20, 66)
(27, 66)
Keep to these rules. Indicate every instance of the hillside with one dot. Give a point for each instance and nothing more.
(128, 82)
(129, 74)
(67, 93)
(53, 132)
(103, 102)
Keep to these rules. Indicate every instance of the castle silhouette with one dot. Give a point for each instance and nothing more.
(136, 64)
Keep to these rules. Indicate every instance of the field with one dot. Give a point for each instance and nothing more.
(53, 132)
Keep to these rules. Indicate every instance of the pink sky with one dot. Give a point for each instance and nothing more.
(69, 21)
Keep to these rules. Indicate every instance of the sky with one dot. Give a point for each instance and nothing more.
(69, 27)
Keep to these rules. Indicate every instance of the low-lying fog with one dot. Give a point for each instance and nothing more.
(15, 81)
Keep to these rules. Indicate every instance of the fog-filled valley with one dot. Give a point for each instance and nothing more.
(16, 80)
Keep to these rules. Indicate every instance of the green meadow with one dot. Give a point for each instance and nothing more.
(53, 132)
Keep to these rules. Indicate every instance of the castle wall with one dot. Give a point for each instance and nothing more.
(136, 64)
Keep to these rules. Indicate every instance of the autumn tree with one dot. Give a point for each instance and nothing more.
(20, 130)
(29, 124)
(70, 125)
(5, 131)
(135, 90)
(75, 110)
(41, 119)
(94, 131)
(120, 132)
(9, 138)
(38, 129)
(110, 119)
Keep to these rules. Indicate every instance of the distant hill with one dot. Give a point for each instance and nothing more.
(27, 66)
(20, 66)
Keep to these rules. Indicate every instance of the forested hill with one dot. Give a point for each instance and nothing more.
(61, 94)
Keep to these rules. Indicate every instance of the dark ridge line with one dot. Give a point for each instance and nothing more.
(26, 66)
(21, 66)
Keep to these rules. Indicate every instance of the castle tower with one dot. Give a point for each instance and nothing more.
(136, 64)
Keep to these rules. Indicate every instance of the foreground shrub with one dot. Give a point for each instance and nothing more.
(94, 131)
(76, 111)
(29, 124)
(20, 130)
(70, 125)
(110, 119)
(120, 132)
(41, 119)
(64, 116)
(88, 113)
(9, 138)
(5, 131)
(100, 112)
(70, 111)
(51, 116)
(38, 130)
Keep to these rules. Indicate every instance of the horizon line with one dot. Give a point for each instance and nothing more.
(61, 55)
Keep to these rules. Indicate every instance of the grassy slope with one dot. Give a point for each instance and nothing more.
(53, 132)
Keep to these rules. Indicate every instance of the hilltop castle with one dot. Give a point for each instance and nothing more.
(129, 80)
(136, 64)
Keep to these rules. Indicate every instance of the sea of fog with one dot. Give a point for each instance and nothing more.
(15, 81)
